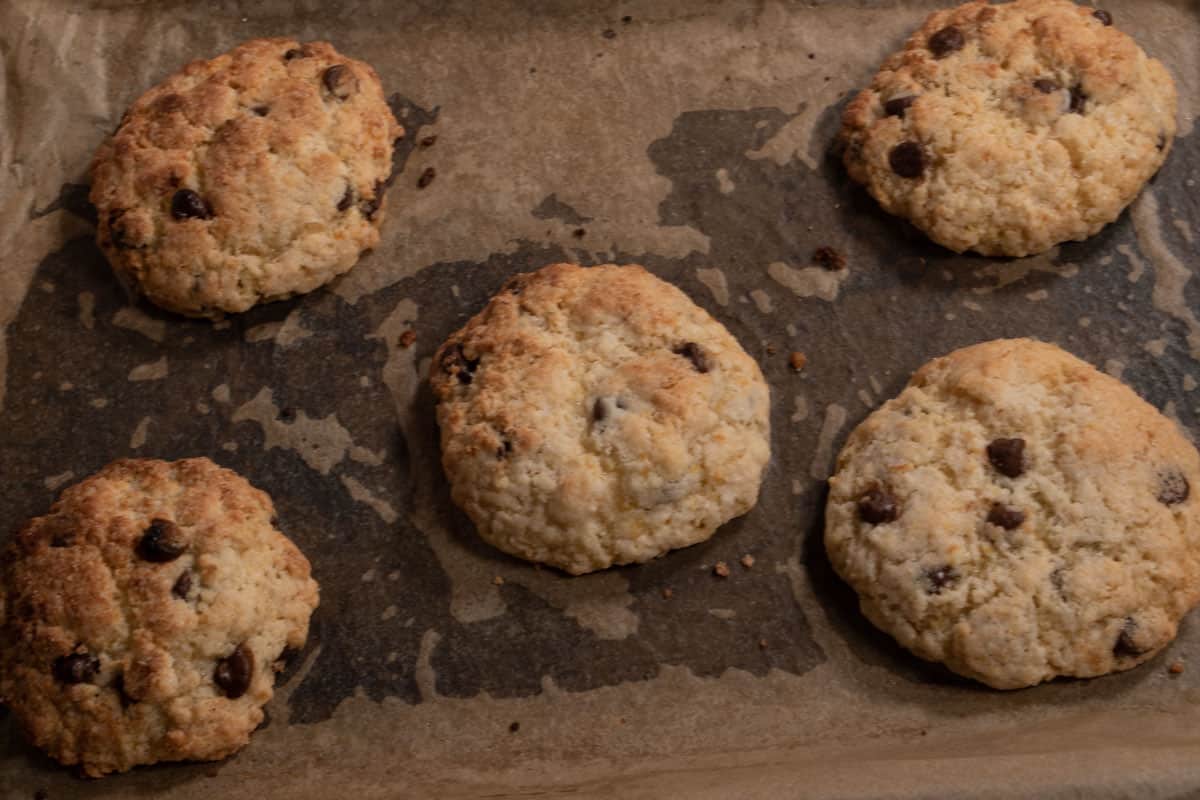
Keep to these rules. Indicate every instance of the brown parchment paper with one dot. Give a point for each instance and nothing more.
(692, 137)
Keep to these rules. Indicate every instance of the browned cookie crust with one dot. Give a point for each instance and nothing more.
(142, 618)
(250, 177)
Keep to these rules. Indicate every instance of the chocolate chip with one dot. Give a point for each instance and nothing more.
(293, 53)
(946, 41)
(163, 541)
(429, 141)
(1173, 487)
(1078, 100)
(186, 204)
(877, 506)
(829, 258)
(1006, 517)
(455, 361)
(340, 81)
(940, 578)
(347, 199)
(1046, 86)
(76, 668)
(1126, 646)
(233, 673)
(183, 585)
(1102, 15)
(1007, 456)
(907, 160)
(695, 354)
(898, 105)
(426, 178)
(261, 110)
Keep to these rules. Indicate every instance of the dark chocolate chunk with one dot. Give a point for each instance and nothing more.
(1006, 517)
(946, 41)
(76, 668)
(940, 578)
(829, 258)
(1173, 487)
(340, 81)
(183, 585)
(877, 505)
(695, 354)
(1102, 15)
(426, 178)
(186, 204)
(1045, 85)
(456, 360)
(1007, 456)
(1078, 100)
(627, 19)
(347, 199)
(234, 672)
(1126, 645)
(907, 160)
(295, 52)
(898, 105)
(163, 541)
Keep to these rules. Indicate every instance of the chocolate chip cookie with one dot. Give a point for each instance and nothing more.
(596, 416)
(1018, 515)
(250, 177)
(142, 618)
(1006, 129)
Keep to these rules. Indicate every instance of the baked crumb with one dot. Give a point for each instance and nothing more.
(667, 593)
(1176, 668)
(499, 581)
(829, 258)
(747, 561)
(797, 360)
(721, 570)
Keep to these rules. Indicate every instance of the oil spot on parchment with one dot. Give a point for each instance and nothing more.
(321, 442)
(138, 438)
(822, 462)
(134, 319)
(715, 280)
(1171, 275)
(151, 371)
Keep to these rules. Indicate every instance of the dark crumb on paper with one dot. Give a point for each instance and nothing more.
(747, 561)
(609, 33)
(627, 19)
(770, 349)
(513, 728)
(426, 177)
(407, 338)
(579, 233)
(797, 360)
(532, 70)
(721, 570)
(429, 141)
(924, 732)
(812, 55)
(762, 644)
(667, 593)
(1176, 668)
(287, 414)
(829, 258)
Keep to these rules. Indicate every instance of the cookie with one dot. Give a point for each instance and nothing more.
(251, 177)
(596, 416)
(1018, 515)
(1007, 129)
(141, 620)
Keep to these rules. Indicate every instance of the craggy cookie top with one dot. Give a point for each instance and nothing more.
(250, 177)
(1019, 515)
(141, 619)
(596, 416)
(1006, 129)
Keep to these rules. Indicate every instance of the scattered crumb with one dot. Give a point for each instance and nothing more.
(923, 731)
(426, 177)
(771, 349)
(762, 644)
(579, 233)
(797, 360)
(667, 593)
(407, 338)
(1176, 668)
(429, 141)
(747, 561)
(499, 581)
(513, 728)
(721, 570)
(626, 19)
(829, 258)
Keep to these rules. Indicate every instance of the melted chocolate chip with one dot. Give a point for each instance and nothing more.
(234, 673)
(1078, 100)
(426, 178)
(1173, 487)
(695, 354)
(1126, 645)
(347, 199)
(907, 160)
(163, 541)
(1007, 456)
(295, 52)
(183, 585)
(877, 506)
(829, 258)
(898, 105)
(339, 81)
(940, 578)
(946, 41)
(1102, 15)
(186, 204)
(456, 361)
(1046, 86)
(76, 668)
(1006, 517)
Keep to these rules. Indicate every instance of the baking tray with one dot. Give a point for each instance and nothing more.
(691, 137)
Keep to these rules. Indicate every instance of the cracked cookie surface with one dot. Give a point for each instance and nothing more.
(597, 416)
(142, 618)
(1018, 515)
(250, 177)
(1006, 129)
